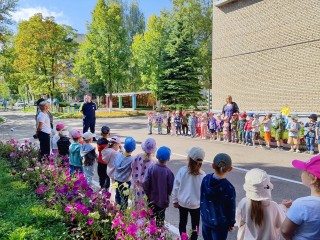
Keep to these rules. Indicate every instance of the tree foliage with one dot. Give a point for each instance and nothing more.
(6, 8)
(44, 52)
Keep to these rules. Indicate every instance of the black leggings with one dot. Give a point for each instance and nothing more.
(195, 220)
(104, 179)
(44, 139)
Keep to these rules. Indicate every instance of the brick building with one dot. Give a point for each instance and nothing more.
(266, 54)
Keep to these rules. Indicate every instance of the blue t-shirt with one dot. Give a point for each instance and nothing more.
(305, 212)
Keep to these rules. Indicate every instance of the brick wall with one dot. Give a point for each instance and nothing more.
(266, 54)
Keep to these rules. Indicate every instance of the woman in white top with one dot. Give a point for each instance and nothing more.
(186, 191)
(43, 130)
(257, 216)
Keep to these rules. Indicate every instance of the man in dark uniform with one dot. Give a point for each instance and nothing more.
(88, 109)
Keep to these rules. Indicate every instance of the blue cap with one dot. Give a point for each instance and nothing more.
(163, 153)
(250, 114)
(129, 144)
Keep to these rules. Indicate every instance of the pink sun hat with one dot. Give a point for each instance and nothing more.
(311, 166)
(59, 127)
(149, 146)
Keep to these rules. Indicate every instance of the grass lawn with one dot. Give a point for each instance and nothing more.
(22, 216)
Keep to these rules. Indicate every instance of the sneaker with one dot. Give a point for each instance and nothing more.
(267, 148)
(298, 151)
(291, 150)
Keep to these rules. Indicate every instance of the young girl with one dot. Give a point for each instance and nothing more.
(204, 126)
(219, 127)
(150, 122)
(75, 159)
(218, 200)
(226, 129)
(257, 216)
(159, 121)
(294, 134)
(303, 217)
(247, 129)
(199, 117)
(212, 125)
(140, 165)
(185, 197)
(255, 130)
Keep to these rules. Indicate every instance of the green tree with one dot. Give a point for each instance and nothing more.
(148, 51)
(6, 8)
(180, 78)
(103, 56)
(44, 54)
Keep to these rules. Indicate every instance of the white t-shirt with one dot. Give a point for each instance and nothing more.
(186, 188)
(44, 118)
(267, 125)
(255, 126)
(270, 229)
(305, 212)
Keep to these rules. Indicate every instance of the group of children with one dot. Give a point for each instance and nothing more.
(240, 128)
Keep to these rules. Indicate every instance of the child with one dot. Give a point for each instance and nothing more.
(294, 134)
(255, 130)
(186, 191)
(108, 155)
(102, 143)
(310, 133)
(267, 129)
(218, 200)
(172, 122)
(234, 128)
(219, 127)
(140, 165)
(159, 121)
(63, 143)
(257, 216)
(279, 126)
(247, 128)
(158, 184)
(192, 124)
(150, 122)
(198, 123)
(204, 126)
(177, 123)
(184, 123)
(56, 137)
(240, 127)
(122, 174)
(168, 122)
(303, 217)
(88, 153)
(226, 129)
(75, 159)
(212, 125)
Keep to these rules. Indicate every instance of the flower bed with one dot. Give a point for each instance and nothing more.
(88, 214)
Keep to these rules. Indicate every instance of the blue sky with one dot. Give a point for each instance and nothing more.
(77, 12)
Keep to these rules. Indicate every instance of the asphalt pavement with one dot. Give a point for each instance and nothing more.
(286, 179)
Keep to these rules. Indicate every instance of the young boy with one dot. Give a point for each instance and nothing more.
(168, 122)
(234, 128)
(280, 128)
(247, 129)
(294, 134)
(212, 125)
(150, 122)
(123, 170)
(177, 123)
(75, 159)
(192, 124)
(64, 143)
(242, 132)
(159, 121)
(218, 200)
(255, 130)
(158, 184)
(56, 137)
(310, 133)
(267, 129)
(88, 153)
(102, 143)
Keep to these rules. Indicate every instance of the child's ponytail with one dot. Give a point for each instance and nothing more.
(256, 212)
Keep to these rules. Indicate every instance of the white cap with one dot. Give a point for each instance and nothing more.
(87, 136)
(197, 154)
(64, 133)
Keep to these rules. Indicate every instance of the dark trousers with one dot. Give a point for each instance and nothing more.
(44, 139)
(168, 129)
(104, 179)
(219, 233)
(159, 213)
(121, 198)
(89, 123)
(185, 129)
(195, 219)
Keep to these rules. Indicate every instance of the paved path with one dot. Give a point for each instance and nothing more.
(286, 180)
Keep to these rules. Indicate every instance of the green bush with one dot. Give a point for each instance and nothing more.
(64, 104)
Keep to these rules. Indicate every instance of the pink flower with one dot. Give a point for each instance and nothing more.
(90, 221)
(184, 236)
(116, 222)
(152, 229)
(68, 208)
(143, 213)
(132, 230)
(141, 204)
(134, 215)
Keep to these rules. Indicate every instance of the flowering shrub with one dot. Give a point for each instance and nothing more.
(89, 214)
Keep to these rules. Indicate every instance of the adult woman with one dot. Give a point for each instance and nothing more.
(230, 107)
(43, 130)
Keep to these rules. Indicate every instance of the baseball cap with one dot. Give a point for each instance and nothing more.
(313, 116)
(76, 134)
(129, 144)
(115, 139)
(222, 160)
(311, 166)
(243, 115)
(196, 154)
(59, 126)
(163, 153)
(257, 185)
(105, 129)
(87, 135)
(250, 114)
(149, 146)
(64, 133)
